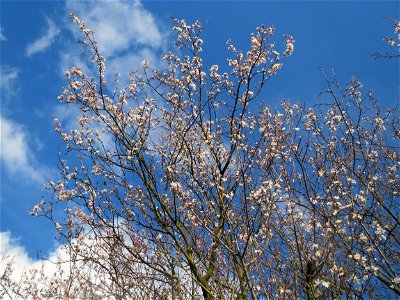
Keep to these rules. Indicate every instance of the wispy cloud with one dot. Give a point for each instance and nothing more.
(119, 25)
(124, 32)
(8, 78)
(17, 154)
(44, 41)
(2, 36)
(16, 145)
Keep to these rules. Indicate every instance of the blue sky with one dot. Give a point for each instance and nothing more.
(38, 44)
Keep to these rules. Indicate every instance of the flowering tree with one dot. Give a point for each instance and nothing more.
(178, 187)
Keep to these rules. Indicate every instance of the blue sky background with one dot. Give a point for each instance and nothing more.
(38, 44)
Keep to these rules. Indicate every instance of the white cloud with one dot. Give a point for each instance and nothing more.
(125, 63)
(126, 34)
(60, 277)
(44, 41)
(8, 78)
(118, 25)
(24, 277)
(17, 156)
(23, 266)
(2, 37)
(12, 250)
